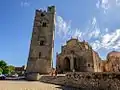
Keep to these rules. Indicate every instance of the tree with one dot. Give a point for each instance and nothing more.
(11, 69)
(1, 70)
(3, 64)
(6, 69)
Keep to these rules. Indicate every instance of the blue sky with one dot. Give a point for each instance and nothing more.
(96, 21)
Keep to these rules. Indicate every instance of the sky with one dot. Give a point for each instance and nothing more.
(95, 21)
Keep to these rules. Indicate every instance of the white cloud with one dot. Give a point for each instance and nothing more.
(93, 30)
(106, 5)
(95, 33)
(77, 34)
(106, 40)
(103, 4)
(25, 4)
(63, 27)
(65, 31)
(94, 21)
(118, 2)
(98, 4)
(106, 30)
(96, 45)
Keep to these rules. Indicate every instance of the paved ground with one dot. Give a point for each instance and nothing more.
(29, 85)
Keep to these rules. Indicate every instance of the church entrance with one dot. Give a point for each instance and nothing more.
(67, 64)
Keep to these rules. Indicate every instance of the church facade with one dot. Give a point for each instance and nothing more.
(77, 56)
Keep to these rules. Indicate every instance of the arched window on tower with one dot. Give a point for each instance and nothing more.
(88, 65)
(44, 24)
(42, 42)
(39, 54)
(42, 14)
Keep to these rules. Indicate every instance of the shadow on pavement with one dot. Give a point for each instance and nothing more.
(68, 88)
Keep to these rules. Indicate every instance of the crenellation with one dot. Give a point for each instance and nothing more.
(51, 9)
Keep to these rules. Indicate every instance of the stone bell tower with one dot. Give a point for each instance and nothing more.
(42, 42)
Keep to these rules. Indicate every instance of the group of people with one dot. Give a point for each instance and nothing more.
(54, 72)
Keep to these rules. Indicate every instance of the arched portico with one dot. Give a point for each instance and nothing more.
(67, 64)
(70, 63)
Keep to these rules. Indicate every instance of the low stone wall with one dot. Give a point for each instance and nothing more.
(93, 81)
(32, 76)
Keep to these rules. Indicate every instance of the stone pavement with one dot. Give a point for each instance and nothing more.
(30, 85)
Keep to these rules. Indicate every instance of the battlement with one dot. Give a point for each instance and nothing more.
(50, 9)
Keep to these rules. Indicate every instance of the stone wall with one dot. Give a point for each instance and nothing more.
(97, 62)
(113, 62)
(42, 42)
(94, 81)
(32, 76)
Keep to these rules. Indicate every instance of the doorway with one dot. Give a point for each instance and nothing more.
(67, 64)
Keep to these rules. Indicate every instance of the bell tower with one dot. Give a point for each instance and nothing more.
(42, 42)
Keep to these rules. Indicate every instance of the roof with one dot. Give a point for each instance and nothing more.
(72, 39)
(114, 53)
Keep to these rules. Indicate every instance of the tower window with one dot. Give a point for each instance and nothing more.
(39, 54)
(44, 24)
(42, 14)
(42, 42)
(88, 65)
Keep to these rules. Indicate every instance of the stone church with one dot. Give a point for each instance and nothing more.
(79, 56)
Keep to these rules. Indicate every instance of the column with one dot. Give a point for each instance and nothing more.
(72, 62)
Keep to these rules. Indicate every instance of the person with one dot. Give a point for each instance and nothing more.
(73, 70)
(52, 72)
(55, 73)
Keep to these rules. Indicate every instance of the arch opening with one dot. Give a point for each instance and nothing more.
(67, 64)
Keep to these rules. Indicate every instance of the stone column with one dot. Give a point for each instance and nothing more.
(72, 63)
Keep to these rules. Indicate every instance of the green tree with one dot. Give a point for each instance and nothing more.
(6, 69)
(1, 70)
(11, 69)
(3, 64)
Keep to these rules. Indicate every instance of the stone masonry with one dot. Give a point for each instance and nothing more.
(75, 55)
(79, 56)
(42, 42)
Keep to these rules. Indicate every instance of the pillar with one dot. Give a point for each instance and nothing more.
(72, 63)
